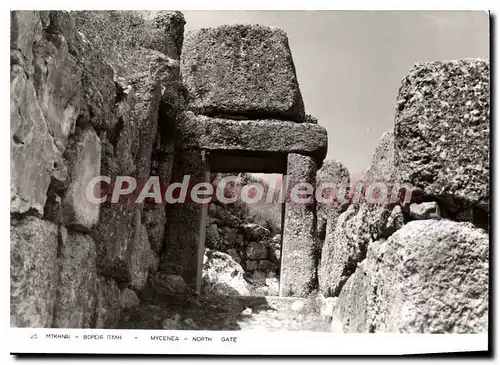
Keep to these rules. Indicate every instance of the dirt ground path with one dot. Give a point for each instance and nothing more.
(228, 313)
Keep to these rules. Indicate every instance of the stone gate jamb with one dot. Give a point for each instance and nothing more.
(299, 251)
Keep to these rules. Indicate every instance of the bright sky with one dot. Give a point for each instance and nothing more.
(350, 63)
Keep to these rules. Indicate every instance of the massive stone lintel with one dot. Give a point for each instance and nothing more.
(186, 222)
(251, 136)
(299, 250)
(244, 70)
(442, 132)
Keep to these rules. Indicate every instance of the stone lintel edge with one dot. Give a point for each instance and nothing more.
(199, 132)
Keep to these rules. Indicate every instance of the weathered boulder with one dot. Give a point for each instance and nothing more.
(212, 236)
(108, 309)
(372, 215)
(333, 179)
(114, 235)
(77, 285)
(83, 159)
(122, 244)
(169, 34)
(222, 275)
(202, 132)
(256, 250)
(442, 132)
(128, 299)
(154, 218)
(299, 255)
(34, 156)
(160, 284)
(138, 260)
(344, 249)
(172, 284)
(355, 302)
(254, 231)
(33, 272)
(241, 70)
(431, 276)
(153, 261)
(382, 168)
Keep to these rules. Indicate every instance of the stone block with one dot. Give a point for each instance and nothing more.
(108, 308)
(251, 136)
(241, 70)
(442, 132)
(185, 222)
(33, 272)
(83, 159)
(77, 285)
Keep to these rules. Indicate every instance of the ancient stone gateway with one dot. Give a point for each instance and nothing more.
(245, 113)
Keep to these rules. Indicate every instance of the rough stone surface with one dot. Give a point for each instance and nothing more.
(34, 156)
(331, 176)
(160, 284)
(442, 132)
(128, 299)
(33, 272)
(355, 302)
(77, 286)
(382, 168)
(222, 275)
(365, 220)
(256, 251)
(241, 70)
(138, 259)
(108, 307)
(173, 284)
(431, 276)
(299, 254)
(57, 82)
(184, 223)
(118, 227)
(427, 210)
(170, 32)
(258, 136)
(344, 249)
(154, 218)
(83, 159)
(254, 231)
(153, 261)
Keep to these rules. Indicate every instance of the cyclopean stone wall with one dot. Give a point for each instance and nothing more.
(429, 272)
(74, 118)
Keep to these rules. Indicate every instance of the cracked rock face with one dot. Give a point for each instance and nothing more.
(362, 223)
(33, 272)
(256, 136)
(442, 132)
(242, 70)
(77, 285)
(431, 276)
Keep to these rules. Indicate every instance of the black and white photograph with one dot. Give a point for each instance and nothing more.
(204, 181)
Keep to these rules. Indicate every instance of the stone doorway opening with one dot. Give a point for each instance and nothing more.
(243, 237)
